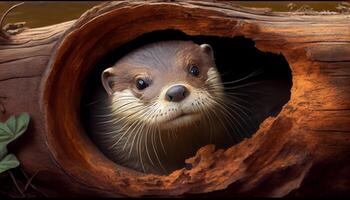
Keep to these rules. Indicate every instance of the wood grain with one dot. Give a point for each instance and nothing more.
(42, 72)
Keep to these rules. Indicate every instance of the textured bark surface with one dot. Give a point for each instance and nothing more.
(303, 151)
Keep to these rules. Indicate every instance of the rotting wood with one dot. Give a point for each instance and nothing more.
(283, 157)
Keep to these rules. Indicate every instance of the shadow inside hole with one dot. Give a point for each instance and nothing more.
(257, 83)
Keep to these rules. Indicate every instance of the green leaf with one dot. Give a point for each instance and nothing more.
(22, 122)
(3, 151)
(8, 162)
(5, 138)
(9, 131)
(11, 124)
(5, 133)
(13, 128)
(4, 130)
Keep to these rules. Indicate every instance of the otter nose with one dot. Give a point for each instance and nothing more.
(176, 93)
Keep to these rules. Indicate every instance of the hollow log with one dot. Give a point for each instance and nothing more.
(303, 151)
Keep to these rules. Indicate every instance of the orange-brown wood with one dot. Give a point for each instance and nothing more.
(303, 151)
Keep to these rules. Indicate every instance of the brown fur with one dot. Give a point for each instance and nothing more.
(164, 62)
(139, 129)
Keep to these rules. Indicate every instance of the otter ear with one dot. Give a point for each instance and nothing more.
(207, 49)
(107, 79)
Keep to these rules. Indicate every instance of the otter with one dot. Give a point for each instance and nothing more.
(160, 103)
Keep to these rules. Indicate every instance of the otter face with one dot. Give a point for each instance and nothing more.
(167, 84)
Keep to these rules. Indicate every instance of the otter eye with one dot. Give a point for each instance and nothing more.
(141, 84)
(194, 70)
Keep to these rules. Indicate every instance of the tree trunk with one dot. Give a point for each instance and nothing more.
(303, 151)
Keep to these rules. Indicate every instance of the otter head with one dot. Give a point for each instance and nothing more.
(167, 84)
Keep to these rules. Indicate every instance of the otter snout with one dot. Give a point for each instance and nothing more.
(176, 93)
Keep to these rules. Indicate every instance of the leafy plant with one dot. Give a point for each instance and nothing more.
(9, 131)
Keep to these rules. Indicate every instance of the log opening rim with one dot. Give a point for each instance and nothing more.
(66, 71)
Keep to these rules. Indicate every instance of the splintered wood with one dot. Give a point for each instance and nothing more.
(42, 72)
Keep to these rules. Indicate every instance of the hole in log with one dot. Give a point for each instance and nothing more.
(256, 86)
(74, 61)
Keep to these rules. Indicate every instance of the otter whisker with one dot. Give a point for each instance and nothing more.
(135, 134)
(254, 73)
(240, 86)
(127, 131)
(129, 108)
(117, 122)
(161, 142)
(121, 99)
(243, 100)
(225, 112)
(227, 109)
(156, 151)
(232, 121)
(171, 133)
(212, 78)
(119, 119)
(234, 95)
(236, 105)
(94, 102)
(207, 116)
(223, 74)
(137, 124)
(174, 131)
(139, 151)
(124, 107)
(216, 91)
(155, 129)
(100, 99)
(231, 102)
(244, 111)
(130, 134)
(218, 118)
(139, 139)
(149, 129)
(117, 98)
(144, 125)
(228, 125)
(118, 110)
(250, 91)
(120, 96)
(122, 136)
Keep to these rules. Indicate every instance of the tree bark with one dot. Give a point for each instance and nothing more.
(303, 151)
